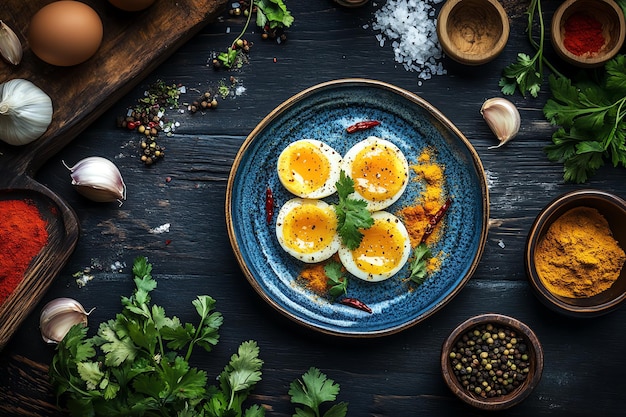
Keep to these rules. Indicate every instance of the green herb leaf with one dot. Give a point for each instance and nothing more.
(418, 264)
(336, 279)
(352, 214)
(523, 74)
(590, 115)
(273, 13)
(126, 369)
(314, 389)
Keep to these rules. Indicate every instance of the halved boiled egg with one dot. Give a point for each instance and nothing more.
(307, 229)
(379, 170)
(383, 252)
(309, 168)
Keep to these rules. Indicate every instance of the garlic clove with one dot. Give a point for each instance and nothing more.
(58, 316)
(503, 119)
(10, 45)
(98, 179)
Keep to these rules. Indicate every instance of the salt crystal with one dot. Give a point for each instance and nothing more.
(408, 24)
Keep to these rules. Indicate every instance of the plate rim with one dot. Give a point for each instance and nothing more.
(285, 105)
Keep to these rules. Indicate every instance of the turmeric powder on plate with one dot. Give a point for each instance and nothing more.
(578, 257)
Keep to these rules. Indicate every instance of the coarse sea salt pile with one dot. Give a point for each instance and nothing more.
(410, 25)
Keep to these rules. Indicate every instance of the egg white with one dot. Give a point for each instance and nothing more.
(384, 250)
(380, 172)
(307, 229)
(309, 168)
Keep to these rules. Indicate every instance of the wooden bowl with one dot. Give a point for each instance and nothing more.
(613, 209)
(605, 12)
(533, 362)
(472, 32)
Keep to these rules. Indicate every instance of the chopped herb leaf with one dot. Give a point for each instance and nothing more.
(417, 266)
(336, 279)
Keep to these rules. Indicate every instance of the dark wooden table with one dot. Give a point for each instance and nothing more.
(390, 376)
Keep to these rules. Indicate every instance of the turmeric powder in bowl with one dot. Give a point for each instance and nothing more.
(578, 256)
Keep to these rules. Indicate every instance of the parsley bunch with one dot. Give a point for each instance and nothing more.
(352, 214)
(314, 389)
(591, 115)
(138, 363)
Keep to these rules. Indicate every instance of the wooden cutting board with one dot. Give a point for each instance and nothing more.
(134, 44)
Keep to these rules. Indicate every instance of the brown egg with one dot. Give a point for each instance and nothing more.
(65, 33)
(132, 5)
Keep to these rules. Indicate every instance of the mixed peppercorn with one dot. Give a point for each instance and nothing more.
(490, 361)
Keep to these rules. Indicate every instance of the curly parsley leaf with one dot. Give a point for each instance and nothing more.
(590, 115)
(314, 389)
(352, 213)
(336, 280)
(418, 264)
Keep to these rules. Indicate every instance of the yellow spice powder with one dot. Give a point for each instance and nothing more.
(578, 257)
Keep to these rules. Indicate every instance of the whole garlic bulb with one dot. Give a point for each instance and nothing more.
(25, 112)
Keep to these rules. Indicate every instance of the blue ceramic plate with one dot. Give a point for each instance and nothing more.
(323, 112)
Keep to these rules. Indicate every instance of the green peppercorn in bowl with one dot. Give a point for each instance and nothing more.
(492, 361)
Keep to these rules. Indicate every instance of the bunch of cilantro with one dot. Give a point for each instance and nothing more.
(138, 363)
(590, 114)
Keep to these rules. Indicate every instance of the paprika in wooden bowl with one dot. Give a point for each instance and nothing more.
(587, 33)
(575, 255)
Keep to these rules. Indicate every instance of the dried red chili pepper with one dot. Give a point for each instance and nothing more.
(357, 127)
(269, 205)
(435, 219)
(356, 303)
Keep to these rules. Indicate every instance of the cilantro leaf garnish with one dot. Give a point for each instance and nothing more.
(138, 362)
(590, 115)
(352, 213)
(336, 279)
(418, 264)
(314, 389)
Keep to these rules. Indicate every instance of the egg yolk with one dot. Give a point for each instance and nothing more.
(381, 249)
(303, 168)
(378, 173)
(309, 228)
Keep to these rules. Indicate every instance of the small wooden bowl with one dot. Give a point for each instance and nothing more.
(607, 13)
(613, 209)
(515, 396)
(472, 32)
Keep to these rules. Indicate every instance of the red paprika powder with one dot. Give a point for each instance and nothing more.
(583, 34)
(22, 235)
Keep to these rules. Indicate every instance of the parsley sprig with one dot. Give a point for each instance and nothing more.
(591, 115)
(352, 213)
(314, 389)
(138, 362)
(526, 74)
(418, 263)
(338, 283)
(271, 14)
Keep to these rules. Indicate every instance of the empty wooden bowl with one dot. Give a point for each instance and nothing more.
(472, 32)
(587, 33)
(505, 349)
(613, 209)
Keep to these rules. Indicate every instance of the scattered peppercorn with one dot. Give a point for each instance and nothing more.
(490, 361)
